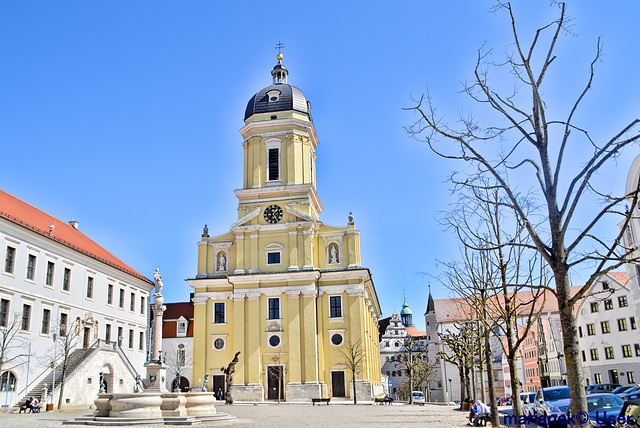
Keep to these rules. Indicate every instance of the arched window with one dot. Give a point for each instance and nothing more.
(7, 381)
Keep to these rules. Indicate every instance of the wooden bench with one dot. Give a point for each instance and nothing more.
(320, 400)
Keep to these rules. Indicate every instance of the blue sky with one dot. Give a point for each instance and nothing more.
(125, 115)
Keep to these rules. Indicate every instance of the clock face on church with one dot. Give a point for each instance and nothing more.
(273, 214)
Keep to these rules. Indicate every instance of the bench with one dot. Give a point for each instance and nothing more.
(320, 400)
(482, 420)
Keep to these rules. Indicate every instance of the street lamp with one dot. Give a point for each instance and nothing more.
(450, 391)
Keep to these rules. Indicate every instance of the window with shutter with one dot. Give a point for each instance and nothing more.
(274, 170)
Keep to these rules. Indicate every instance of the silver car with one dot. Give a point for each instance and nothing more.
(552, 402)
(528, 402)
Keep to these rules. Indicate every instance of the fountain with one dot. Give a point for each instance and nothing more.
(155, 405)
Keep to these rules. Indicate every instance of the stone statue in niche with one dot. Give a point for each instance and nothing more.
(334, 254)
(221, 262)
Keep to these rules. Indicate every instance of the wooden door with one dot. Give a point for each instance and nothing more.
(337, 384)
(275, 382)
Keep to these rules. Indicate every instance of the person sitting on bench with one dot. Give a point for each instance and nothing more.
(35, 406)
(26, 405)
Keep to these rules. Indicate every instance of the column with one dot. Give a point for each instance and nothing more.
(202, 259)
(293, 329)
(199, 339)
(308, 249)
(239, 254)
(293, 250)
(240, 376)
(310, 337)
(253, 336)
(254, 254)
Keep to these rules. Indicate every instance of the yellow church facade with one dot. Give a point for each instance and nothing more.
(281, 287)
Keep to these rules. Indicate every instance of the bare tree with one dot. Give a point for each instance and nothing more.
(352, 355)
(525, 149)
(278, 371)
(66, 342)
(425, 372)
(409, 356)
(177, 363)
(459, 349)
(12, 346)
(500, 278)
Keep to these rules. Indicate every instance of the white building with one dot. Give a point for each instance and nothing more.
(177, 342)
(607, 326)
(631, 237)
(56, 283)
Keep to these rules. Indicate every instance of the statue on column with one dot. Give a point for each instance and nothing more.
(228, 374)
(158, 278)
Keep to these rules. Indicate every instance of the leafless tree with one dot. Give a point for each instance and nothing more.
(500, 278)
(177, 362)
(278, 371)
(554, 160)
(352, 354)
(459, 349)
(409, 355)
(12, 346)
(66, 342)
(425, 372)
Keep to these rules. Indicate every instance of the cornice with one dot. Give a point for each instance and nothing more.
(268, 127)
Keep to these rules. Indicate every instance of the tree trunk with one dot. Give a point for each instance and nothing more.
(410, 388)
(62, 378)
(575, 377)
(515, 389)
(354, 388)
(495, 419)
(463, 390)
(467, 382)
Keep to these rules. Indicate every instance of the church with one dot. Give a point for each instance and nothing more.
(281, 287)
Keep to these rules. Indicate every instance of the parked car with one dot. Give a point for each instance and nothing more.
(604, 409)
(418, 397)
(601, 388)
(622, 390)
(552, 402)
(504, 401)
(527, 399)
(630, 393)
(630, 410)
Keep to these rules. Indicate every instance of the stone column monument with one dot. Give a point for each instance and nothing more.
(156, 369)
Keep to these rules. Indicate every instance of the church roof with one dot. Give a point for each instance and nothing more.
(290, 98)
(23, 214)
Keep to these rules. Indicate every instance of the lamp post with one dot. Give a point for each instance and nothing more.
(450, 391)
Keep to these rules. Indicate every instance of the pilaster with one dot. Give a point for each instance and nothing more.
(293, 330)
(310, 329)
(254, 268)
(254, 336)
(239, 339)
(239, 254)
(308, 249)
(293, 250)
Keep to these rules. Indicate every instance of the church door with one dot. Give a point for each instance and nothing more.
(337, 384)
(218, 384)
(87, 337)
(275, 382)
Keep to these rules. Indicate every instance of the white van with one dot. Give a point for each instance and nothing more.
(418, 397)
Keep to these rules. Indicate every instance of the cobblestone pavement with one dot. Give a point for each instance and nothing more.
(285, 415)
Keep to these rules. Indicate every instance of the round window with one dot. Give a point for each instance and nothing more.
(218, 344)
(274, 98)
(336, 339)
(274, 341)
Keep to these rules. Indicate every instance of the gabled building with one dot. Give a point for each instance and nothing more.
(177, 343)
(284, 289)
(56, 286)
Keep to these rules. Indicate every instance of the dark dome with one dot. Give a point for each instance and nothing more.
(289, 98)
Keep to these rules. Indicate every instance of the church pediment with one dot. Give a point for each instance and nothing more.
(299, 215)
(247, 217)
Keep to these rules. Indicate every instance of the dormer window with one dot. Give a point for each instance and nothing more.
(181, 330)
(273, 95)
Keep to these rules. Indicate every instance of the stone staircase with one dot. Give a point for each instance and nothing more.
(77, 357)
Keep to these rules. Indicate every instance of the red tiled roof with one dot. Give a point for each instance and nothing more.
(620, 276)
(177, 310)
(450, 310)
(412, 331)
(30, 217)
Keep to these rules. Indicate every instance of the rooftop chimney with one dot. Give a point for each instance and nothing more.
(74, 223)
